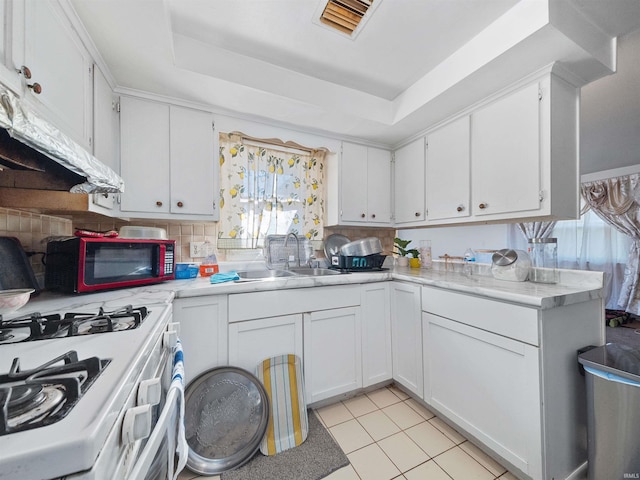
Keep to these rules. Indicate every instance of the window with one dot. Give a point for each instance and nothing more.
(268, 189)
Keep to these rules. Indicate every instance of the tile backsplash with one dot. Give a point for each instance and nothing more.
(182, 232)
(186, 232)
(32, 230)
(385, 235)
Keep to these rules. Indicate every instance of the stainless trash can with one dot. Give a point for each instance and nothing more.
(613, 411)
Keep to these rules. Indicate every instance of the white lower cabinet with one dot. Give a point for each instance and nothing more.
(488, 385)
(253, 341)
(506, 375)
(406, 334)
(321, 325)
(376, 334)
(203, 332)
(333, 355)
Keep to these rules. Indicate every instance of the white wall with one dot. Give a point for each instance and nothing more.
(455, 240)
(610, 113)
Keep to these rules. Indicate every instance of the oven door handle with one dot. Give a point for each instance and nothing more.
(169, 424)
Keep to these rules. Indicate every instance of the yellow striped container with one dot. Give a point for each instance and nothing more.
(288, 423)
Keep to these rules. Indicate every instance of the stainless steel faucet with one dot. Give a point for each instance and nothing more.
(297, 255)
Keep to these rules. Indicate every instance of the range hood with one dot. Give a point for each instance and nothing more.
(44, 156)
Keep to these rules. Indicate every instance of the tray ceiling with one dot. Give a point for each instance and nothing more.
(274, 59)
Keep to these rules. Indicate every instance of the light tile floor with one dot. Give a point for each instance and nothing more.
(388, 435)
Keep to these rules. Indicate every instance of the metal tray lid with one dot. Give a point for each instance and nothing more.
(226, 417)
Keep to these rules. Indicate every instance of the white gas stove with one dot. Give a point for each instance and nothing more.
(87, 419)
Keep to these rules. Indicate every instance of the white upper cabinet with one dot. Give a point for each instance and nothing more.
(365, 185)
(167, 161)
(192, 161)
(514, 156)
(506, 165)
(409, 183)
(524, 153)
(448, 171)
(59, 65)
(7, 72)
(106, 122)
(144, 156)
(106, 135)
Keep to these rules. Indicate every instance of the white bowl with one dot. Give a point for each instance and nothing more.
(12, 300)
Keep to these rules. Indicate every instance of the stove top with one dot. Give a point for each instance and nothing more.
(75, 374)
(43, 327)
(45, 394)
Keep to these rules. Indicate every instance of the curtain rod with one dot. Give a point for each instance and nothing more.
(293, 147)
(614, 172)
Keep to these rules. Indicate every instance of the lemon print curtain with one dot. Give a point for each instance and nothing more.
(267, 189)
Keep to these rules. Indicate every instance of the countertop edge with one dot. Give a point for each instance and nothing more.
(542, 296)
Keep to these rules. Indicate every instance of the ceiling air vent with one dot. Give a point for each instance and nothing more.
(345, 15)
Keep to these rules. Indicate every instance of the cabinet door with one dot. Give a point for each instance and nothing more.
(7, 70)
(448, 171)
(505, 146)
(60, 63)
(106, 122)
(489, 386)
(409, 183)
(203, 332)
(406, 328)
(192, 162)
(378, 186)
(353, 183)
(144, 137)
(253, 341)
(106, 138)
(376, 334)
(332, 353)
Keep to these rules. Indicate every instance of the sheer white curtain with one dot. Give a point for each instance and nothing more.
(536, 229)
(587, 244)
(591, 244)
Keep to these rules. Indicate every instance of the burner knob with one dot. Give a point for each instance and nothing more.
(136, 424)
(149, 392)
(174, 326)
(170, 339)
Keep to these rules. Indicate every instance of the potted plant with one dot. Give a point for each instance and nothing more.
(404, 253)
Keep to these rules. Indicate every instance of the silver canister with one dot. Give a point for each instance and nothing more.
(544, 260)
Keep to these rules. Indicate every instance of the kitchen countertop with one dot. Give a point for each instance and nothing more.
(51, 302)
(575, 286)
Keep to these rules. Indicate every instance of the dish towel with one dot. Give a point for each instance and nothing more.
(224, 277)
(177, 382)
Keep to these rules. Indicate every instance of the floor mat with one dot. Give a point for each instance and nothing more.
(316, 458)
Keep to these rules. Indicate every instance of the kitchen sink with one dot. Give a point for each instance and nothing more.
(264, 274)
(293, 272)
(314, 272)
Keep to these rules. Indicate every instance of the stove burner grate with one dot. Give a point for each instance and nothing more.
(42, 327)
(46, 394)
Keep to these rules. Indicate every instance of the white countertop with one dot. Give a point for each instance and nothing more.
(575, 286)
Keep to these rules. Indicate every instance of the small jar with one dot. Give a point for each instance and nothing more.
(425, 254)
(544, 260)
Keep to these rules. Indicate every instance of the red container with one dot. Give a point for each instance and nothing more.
(208, 270)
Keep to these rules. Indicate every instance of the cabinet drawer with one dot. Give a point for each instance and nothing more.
(512, 321)
(247, 306)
